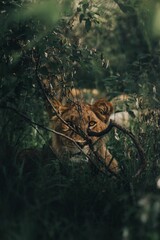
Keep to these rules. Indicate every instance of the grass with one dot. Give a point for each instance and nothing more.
(55, 200)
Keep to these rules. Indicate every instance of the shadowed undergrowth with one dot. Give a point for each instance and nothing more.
(42, 198)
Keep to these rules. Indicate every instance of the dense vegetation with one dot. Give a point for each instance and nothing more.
(112, 46)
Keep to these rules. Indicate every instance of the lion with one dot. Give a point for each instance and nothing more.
(72, 122)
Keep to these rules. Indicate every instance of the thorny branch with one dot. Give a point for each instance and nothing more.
(139, 148)
(45, 96)
(27, 119)
(85, 137)
(77, 131)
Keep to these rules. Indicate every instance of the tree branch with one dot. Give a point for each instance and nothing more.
(27, 119)
(46, 97)
(139, 148)
(77, 131)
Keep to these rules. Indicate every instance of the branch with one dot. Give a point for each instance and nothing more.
(139, 148)
(126, 8)
(27, 119)
(77, 131)
(46, 97)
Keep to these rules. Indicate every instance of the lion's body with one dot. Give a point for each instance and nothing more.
(78, 118)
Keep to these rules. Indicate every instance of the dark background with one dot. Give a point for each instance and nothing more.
(113, 46)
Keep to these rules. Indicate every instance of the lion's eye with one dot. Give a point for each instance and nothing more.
(92, 123)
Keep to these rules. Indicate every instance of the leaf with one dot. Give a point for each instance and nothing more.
(88, 25)
(78, 9)
(125, 7)
(85, 6)
(131, 113)
(89, 15)
(81, 17)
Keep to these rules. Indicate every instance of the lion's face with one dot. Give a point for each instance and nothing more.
(80, 118)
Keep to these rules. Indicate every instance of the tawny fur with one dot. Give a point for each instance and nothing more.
(85, 117)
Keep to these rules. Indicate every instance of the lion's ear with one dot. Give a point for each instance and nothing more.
(55, 107)
(103, 109)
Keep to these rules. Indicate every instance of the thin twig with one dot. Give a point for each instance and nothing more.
(27, 119)
(139, 148)
(45, 96)
(77, 130)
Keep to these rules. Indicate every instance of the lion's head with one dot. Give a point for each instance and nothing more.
(74, 121)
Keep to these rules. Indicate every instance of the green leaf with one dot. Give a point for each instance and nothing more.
(88, 25)
(81, 17)
(85, 6)
(131, 113)
(79, 9)
(89, 15)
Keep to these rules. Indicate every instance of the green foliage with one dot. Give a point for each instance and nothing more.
(109, 45)
(86, 14)
(53, 199)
